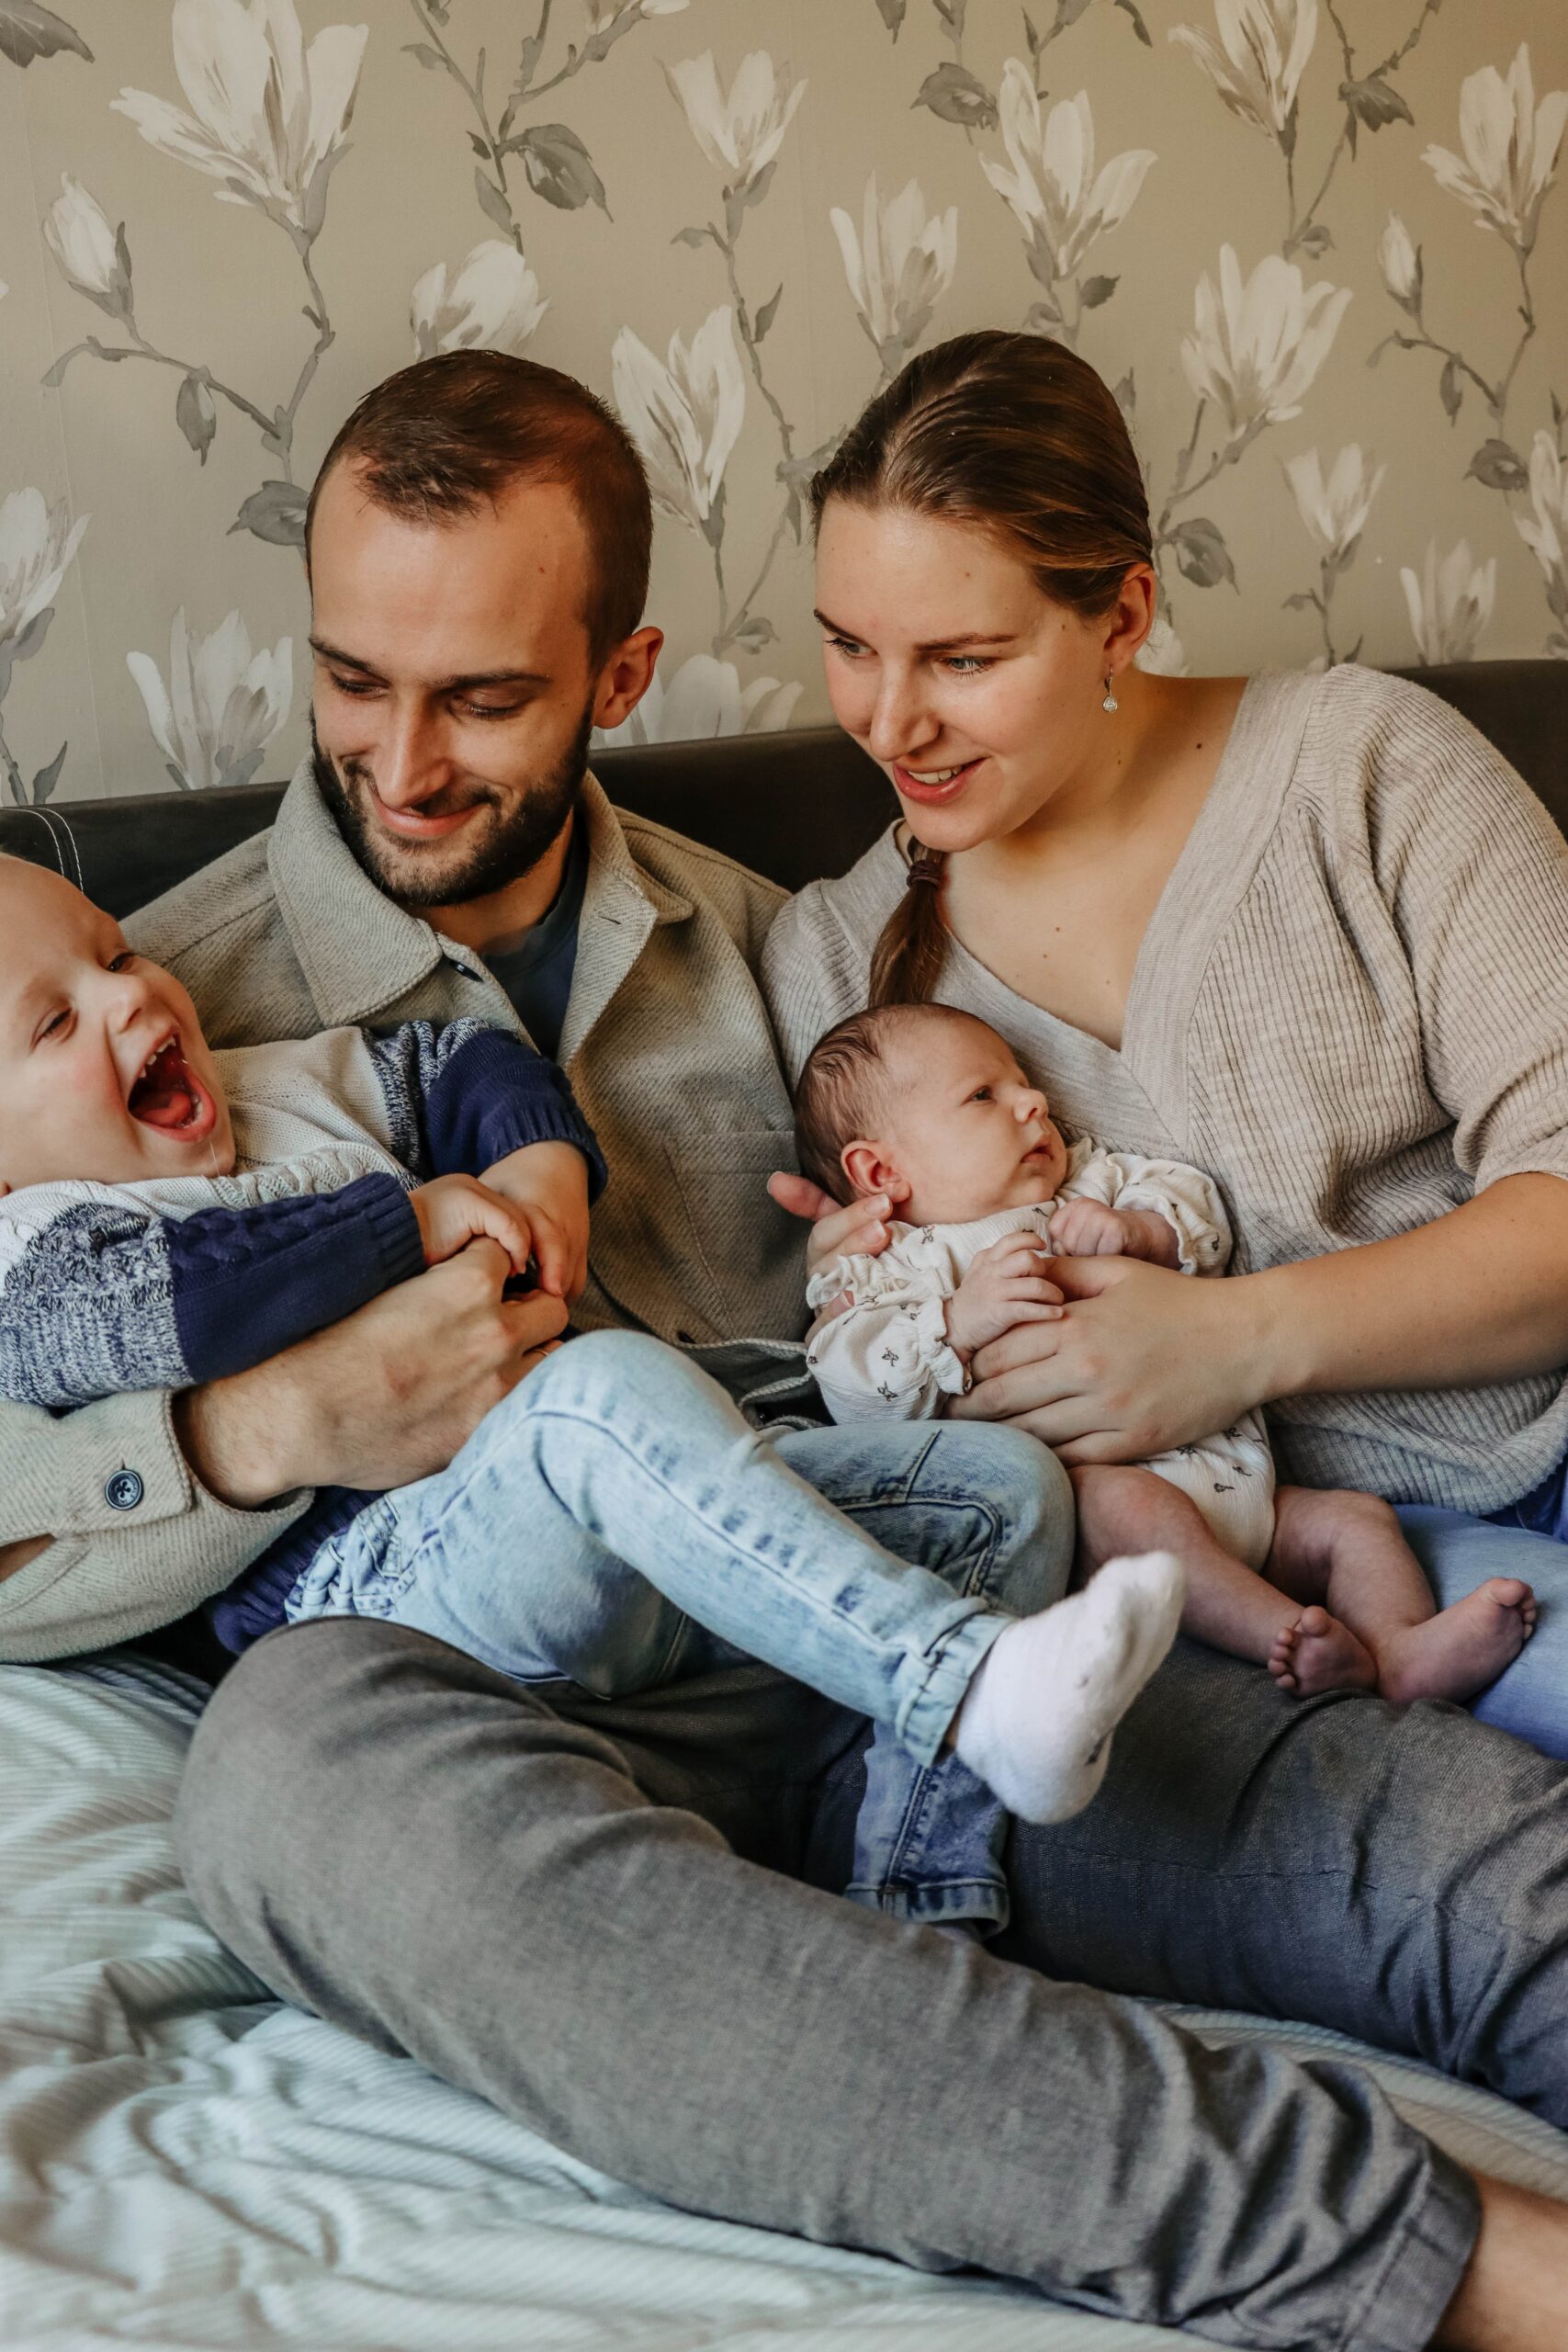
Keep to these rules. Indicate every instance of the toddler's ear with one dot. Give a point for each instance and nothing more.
(869, 1171)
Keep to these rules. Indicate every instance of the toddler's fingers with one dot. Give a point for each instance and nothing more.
(552, 1256)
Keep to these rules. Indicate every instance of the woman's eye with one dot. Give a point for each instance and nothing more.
(355, 686)
(847, 646)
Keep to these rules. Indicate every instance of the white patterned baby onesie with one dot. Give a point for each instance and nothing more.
(888, 1356)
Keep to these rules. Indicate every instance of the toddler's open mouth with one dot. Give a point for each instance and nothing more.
(167, 1094)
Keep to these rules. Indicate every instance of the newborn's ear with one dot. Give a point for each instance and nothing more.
(869, 1172)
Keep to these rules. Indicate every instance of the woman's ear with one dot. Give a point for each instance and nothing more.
(1132, 619)
(869, 1172)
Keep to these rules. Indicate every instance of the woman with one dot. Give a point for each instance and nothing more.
(1290, 928)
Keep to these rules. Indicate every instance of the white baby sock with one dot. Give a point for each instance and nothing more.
(1036, 1723)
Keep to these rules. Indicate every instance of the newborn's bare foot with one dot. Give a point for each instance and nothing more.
(1459, 1651)
(1317, 1653)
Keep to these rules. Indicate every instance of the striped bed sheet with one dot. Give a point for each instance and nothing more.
(186, 2164)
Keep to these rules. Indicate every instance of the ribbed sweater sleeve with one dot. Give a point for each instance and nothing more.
(1475, 877)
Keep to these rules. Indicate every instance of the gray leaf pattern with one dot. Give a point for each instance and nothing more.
(1234, 207)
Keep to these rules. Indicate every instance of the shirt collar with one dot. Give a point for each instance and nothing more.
(361, 952)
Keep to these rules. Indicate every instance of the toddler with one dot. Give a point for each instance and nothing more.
(172, 1214)
(928, 1106)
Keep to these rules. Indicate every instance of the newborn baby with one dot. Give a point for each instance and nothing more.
(928, 1106)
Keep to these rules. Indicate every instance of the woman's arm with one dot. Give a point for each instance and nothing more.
(1143, 1360)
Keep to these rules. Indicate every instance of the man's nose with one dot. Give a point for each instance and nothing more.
(409, 763)
(900, 724)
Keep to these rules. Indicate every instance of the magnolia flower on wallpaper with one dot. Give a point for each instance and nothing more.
(492, 301)
(739, 134)
(600, 13)
(898, 268)
(1399, 258)
(91, 258)
(1545, 529)
(37, 543)
(1334, 511)
(1257, 63)
(222, 704)
(1062, 206)
(684, 415)
(1258, 343)
(268, 116)
(706, 697)
(1510, 149)
(1162, 652)
(1451, 604)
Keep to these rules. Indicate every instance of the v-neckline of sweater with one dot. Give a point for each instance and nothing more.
(1213, 869)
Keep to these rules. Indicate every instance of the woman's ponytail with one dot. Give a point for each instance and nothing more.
(905, 963)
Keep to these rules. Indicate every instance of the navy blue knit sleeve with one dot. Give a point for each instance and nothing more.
(461, 1096)
(249, 1282)
(493, 1096)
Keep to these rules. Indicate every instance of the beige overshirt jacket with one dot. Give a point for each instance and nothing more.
(668, 1045)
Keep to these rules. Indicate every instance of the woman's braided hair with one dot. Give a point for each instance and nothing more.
(1018, 436)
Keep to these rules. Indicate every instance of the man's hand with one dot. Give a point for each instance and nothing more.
(1005, 1285)
(386, 1397)
(452, 1211)
(548, 1182)
(1090, 1229)
(1142, 1359)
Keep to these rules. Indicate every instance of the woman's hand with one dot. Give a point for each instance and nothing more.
(1142, 1359)
(859, 1230)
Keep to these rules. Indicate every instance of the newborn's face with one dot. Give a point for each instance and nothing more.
(965, 1128)
(105, 1074)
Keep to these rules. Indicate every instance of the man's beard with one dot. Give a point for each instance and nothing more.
(511, 843)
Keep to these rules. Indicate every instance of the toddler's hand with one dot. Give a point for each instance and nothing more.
(1003, 1287)
(1088, 1229)
(455, 1210)
(548, 1183)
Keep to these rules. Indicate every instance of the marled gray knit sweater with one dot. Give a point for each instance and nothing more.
(1350, 1009)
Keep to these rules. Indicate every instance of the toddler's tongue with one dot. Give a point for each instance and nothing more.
(166, 1096)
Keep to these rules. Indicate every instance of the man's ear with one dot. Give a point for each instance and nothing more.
(626, 676)
(869, 1171)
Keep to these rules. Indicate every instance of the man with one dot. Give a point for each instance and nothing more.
(558, 1902)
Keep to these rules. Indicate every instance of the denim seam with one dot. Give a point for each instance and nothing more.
(926, 1695)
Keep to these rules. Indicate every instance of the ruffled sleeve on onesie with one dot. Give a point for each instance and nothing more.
(887, 1357)
(1184, 1196)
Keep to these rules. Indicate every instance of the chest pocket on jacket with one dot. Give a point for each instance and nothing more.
(753, 1254)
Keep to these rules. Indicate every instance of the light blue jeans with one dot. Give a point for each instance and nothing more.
(617, 1521)
(1531, 1699)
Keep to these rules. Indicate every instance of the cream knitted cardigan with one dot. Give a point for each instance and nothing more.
(1350, 1009)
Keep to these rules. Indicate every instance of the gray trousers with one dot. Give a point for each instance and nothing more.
(606, 1916)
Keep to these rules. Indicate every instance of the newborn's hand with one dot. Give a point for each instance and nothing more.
(1005, 1285)
(548, 1183)
(1088, 1229)
(455, 1210)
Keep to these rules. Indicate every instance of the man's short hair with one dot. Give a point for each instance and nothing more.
(436, 439)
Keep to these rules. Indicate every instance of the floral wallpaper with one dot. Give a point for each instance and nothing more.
(1318, 246)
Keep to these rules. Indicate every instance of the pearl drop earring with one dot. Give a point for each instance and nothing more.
(1109, 703)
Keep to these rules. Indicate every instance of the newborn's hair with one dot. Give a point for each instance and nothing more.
(842, 1091)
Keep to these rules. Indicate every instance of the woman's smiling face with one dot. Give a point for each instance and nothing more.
(977, 695)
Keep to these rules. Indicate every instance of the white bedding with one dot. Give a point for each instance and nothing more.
(185, 2164)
